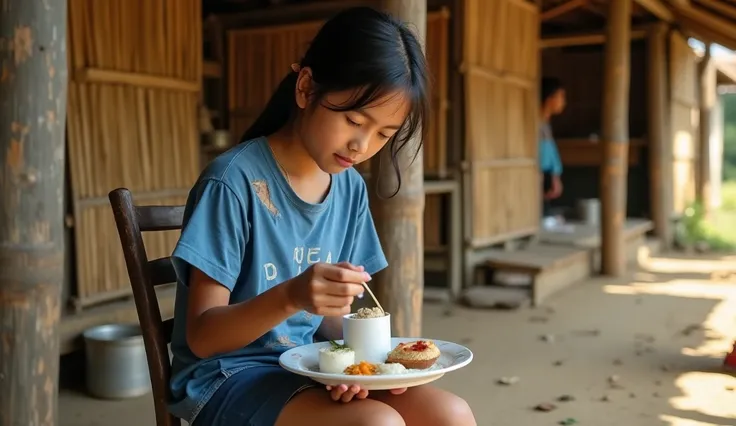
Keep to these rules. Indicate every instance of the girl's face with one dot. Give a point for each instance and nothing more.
(338, 140)
(557, 101)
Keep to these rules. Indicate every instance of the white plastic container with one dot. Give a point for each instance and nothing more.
(370, 338)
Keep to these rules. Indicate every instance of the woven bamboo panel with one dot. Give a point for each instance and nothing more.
(260, 57)
(102, 253)
(501, 79)
(131, 123)
(684, 119)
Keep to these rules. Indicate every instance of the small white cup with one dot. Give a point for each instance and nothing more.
(369, 338)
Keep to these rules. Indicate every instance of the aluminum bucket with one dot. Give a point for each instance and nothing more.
(116, 361)
(589, 211)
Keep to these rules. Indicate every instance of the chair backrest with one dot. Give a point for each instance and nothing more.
(144, 275)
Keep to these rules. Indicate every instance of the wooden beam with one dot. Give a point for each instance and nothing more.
(562, 9)
(711, 25)
(615, 132)
(97, 75)
(399, 220)
(707, 97)
(33, 98)
(583, 39)
(719, 7)
(657, 8)
(660, 148)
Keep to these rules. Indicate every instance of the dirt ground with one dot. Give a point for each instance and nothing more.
(644, 351)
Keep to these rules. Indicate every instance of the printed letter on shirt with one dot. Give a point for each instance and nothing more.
(270, 270)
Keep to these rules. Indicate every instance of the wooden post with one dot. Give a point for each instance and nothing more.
(707, 93)
(615, 132)
(399, 220)
(660, 153)
(33, 84)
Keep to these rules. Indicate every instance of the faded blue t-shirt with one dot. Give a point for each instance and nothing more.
(246, 228)
(549, 156)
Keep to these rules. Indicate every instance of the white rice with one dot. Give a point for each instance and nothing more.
(391, 368)
(335, 360)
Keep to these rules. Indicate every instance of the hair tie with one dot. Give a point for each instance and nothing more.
(296, 67)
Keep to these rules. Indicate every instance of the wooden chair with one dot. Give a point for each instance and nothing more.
(145, 275)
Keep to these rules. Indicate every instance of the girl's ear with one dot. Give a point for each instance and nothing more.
(304, 87)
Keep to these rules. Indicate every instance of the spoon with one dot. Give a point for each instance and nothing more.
(373, 296)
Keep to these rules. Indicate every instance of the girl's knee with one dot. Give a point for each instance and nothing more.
(315, 408)
(456, 411)
(378, 413)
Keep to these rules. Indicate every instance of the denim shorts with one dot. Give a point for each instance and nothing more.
(252, 397)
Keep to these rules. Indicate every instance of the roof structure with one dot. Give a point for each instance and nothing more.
(712, 21)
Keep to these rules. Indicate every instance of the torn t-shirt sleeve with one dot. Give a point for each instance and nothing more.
(365, 246)
(214, 236)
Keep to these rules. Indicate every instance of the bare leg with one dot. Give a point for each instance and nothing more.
(428, 406)
(313, 407)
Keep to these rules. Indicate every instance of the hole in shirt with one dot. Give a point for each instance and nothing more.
(264, 194)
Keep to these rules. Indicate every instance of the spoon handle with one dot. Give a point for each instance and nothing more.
(373, 296)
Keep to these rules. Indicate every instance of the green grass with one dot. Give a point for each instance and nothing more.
(718, 230)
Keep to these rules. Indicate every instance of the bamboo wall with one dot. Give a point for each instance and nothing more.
(135, 67)
(260, 57)
(684, 120)
(501, 92)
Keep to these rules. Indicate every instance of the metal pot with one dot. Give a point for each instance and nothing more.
(116, 361)
(589, 211)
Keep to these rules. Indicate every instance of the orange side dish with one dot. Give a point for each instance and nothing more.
(362, 369)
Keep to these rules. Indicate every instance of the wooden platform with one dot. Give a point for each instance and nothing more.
(588, 237)
(551, 269)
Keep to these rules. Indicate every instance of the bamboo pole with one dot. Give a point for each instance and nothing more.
(615, 130)
(399, 220)
(660, 155)
(33, 117)
(707, 92)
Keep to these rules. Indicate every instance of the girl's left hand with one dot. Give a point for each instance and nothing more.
(347, 393)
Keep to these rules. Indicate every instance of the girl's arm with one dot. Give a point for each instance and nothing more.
(331, 328)
(215, 327)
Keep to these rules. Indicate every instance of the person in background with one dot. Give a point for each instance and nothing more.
(553, 103)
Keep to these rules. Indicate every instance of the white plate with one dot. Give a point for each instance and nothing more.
(304, 360)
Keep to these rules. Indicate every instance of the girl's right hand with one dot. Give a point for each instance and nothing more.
(326, 289)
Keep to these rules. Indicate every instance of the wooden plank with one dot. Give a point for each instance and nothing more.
(211, 69)
(589, 236)
(584, 39)
(658, 9)
(534, 258)
(95, 75)
(659, 147)
(33, 99)
(713, 26)
(399, 220)
(562, 9)
(719, 7)
(615, 130)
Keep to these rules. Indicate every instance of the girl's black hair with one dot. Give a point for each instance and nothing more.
(358, 48)
(550, 86)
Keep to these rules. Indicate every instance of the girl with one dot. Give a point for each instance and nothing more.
(553, 103)
(278, 238)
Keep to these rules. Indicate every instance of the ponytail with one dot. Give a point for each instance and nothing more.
(277, 112)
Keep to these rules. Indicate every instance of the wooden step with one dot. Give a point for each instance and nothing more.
(553, 268)
(588, 237)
